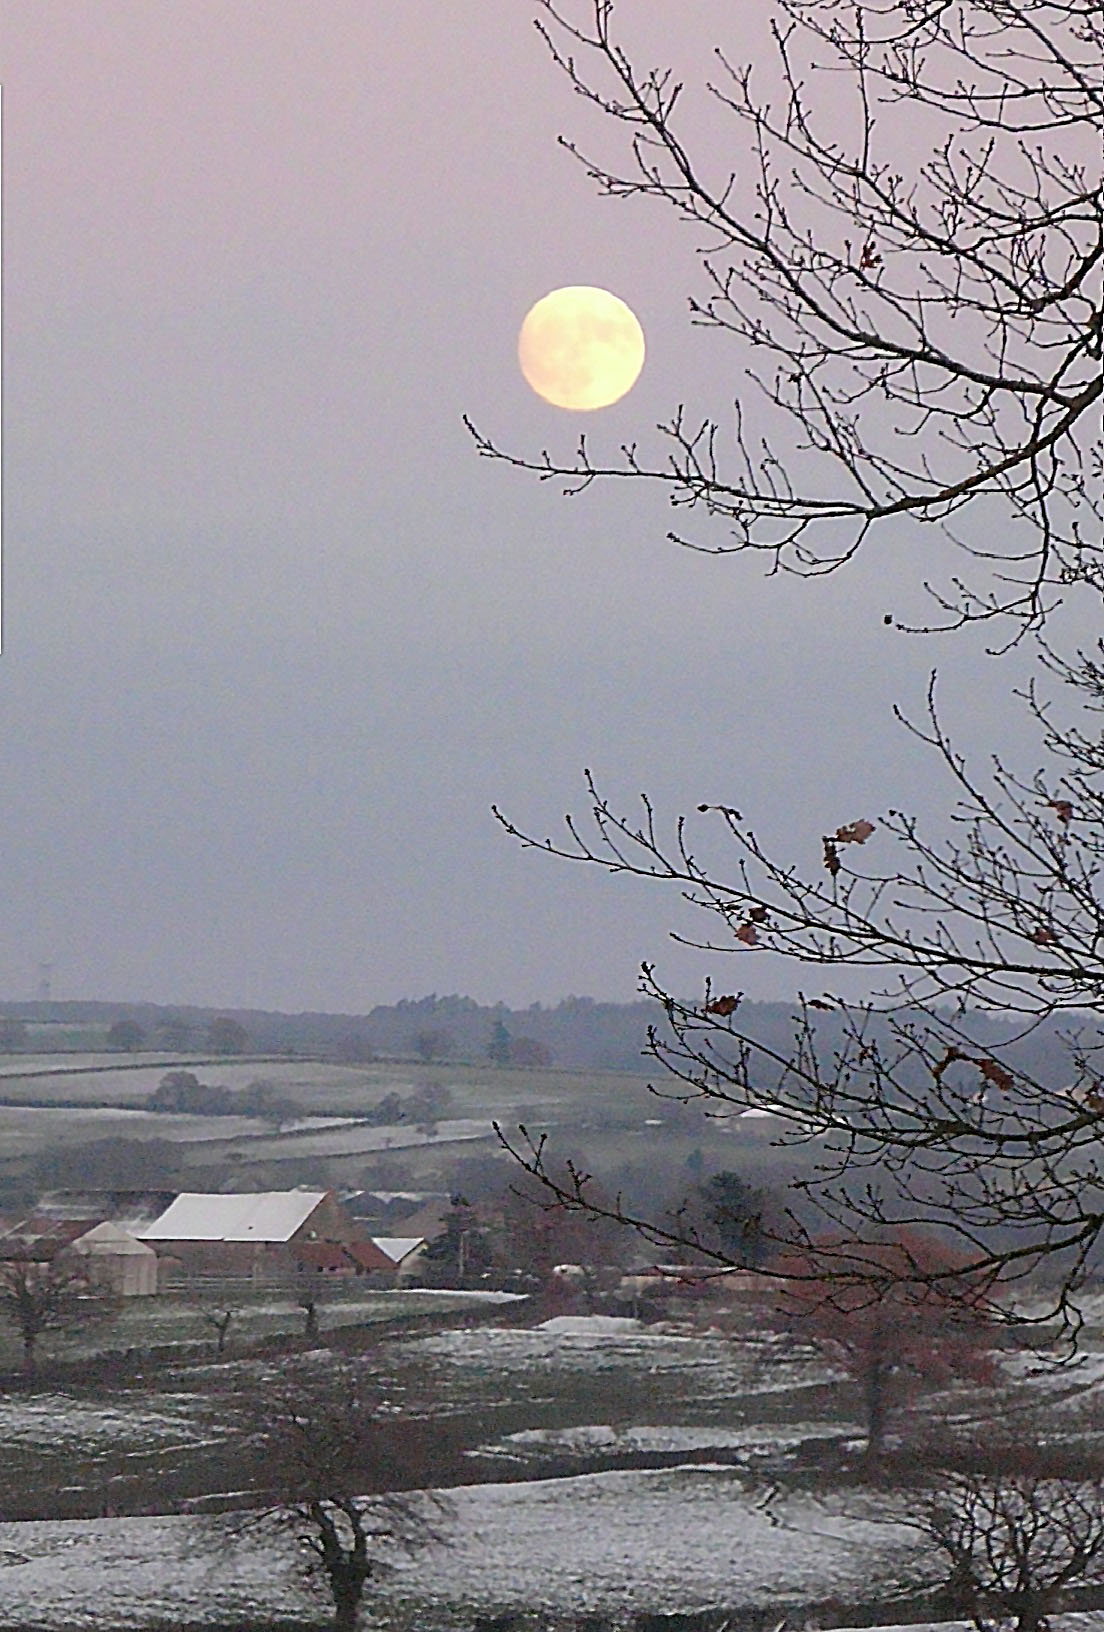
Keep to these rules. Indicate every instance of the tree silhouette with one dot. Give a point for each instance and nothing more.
(39, 1296)
(908, 270)
(902, 248)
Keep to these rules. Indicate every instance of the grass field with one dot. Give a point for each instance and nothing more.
(64, 1101)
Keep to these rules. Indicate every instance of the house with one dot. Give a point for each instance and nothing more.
(404, 1253)
(251, 1233)
(371, 1260)
(117, 1261)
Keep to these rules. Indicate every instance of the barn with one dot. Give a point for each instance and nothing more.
(247, 1233)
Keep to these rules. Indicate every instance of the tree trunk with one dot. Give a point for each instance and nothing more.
(874, 1390)
(348, 1589)
(1031, 1613)
(29, 1360)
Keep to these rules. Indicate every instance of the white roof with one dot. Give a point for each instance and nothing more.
(109, 1238)
(398, 1247)
(264, 1215)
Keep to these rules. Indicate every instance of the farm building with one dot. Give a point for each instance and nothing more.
(41, 1236)
(344, 1258)
(403, 1252)
(117, 1260)
(252, 1233)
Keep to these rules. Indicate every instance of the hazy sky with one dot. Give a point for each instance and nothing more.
(275, 638)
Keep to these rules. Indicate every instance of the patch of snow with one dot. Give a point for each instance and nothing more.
(472, 1295)
(688, 1538)
(719, 1367)
(590, 1325)
(662, 1438)
(55, 1420)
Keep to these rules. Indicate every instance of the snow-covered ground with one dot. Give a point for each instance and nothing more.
(125, 1573)
(59, 1421)
(674, 1539)
(714, 1365)
(681, 1538)
(365, 1137)
(659, 1439)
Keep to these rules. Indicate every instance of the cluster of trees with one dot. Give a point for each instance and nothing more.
(105, 1164)
(183, 1093)
(220, 1035)
(505, 1049)
(422, 1108)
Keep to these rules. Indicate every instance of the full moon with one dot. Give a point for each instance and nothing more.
(581, 348)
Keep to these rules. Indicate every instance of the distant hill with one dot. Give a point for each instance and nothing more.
(577, 1033)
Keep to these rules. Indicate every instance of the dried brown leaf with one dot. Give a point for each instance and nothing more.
(854, 832)
(723, 1006)
(997, 1074)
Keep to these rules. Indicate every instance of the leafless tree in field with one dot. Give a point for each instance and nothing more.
(39, 1296)
(1017, 1540)
(902, 247)
(220, 1321)
(320, 1446)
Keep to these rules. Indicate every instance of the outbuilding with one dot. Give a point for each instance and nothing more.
(117, 1260)
(405, 1252)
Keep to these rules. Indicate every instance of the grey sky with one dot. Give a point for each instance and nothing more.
(274, 637)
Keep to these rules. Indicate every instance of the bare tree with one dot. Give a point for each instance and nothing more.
(1016, 1541)
(220, 1321)
(324, 1455)
(922, 340)
(39, 1296)
(903, 245)
(308, 1290)
(921, 1105)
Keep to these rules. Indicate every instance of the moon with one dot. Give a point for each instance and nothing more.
(581, 348)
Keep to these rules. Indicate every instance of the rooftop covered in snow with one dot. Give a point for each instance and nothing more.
(264, 1215)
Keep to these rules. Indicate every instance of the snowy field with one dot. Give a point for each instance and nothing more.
(179, 1316)
(591, 1345)
(28, 1128)
(64, 1424)
(748, 1444)
(680, 1538)
(356, 1139)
